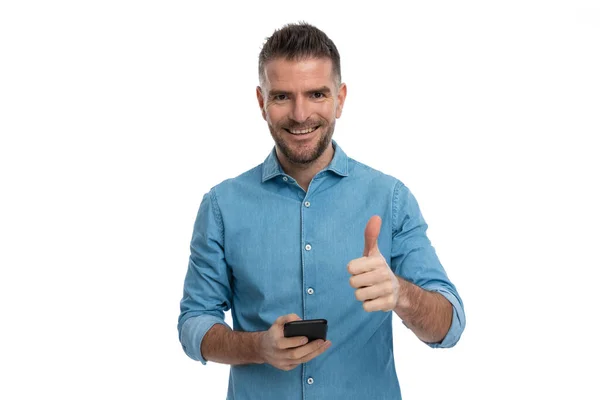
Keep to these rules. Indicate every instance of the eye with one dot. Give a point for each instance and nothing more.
(279, 97)
(318, 95)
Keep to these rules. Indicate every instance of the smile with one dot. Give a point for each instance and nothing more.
(302, 131)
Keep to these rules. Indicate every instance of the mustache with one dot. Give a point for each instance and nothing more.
(306, 125)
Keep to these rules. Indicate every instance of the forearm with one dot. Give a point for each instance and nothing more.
(427, 314)
(222, 345)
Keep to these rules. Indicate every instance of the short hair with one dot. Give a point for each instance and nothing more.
(299, 41)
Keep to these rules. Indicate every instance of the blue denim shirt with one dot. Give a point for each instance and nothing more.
(260, 243)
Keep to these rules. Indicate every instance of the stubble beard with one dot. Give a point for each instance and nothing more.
(303, 157)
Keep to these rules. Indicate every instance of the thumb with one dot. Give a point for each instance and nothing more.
(287, 318)
(371, 235)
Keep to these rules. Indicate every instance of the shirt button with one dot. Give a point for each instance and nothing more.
(310, 381)
(307, 204)
(308, 247)
(285, 178)
(310, 290)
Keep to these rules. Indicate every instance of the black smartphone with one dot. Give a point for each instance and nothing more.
(311, 328)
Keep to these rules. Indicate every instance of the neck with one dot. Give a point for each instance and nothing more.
(303, 173)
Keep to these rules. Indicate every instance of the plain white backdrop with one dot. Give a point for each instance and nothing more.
(117, 116)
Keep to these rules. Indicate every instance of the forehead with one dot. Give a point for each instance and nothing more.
(298, 74)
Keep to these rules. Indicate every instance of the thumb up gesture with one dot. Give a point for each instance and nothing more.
(376, 284)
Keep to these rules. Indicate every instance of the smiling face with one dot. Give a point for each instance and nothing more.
(300, 100)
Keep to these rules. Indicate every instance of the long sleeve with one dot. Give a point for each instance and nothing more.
(207, 286)
(414, 259)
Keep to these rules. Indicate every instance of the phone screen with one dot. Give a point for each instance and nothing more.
(311, 328)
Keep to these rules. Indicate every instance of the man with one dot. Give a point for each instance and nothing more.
(284, 241)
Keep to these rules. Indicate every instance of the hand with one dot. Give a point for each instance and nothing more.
(287, 353)
(376, 284)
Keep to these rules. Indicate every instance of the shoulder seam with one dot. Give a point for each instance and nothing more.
(217, 213)
(396, 205)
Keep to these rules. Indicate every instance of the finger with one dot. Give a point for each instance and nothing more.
(362, 265)
(378, 304)
(374, 292)
(287, 318)
(371, 235)
(320, 350)
(369, 278)
(291, 342)
(302, 352)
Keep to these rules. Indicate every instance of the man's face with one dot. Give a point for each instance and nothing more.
(300, 102)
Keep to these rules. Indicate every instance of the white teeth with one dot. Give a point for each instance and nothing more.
(302, 131)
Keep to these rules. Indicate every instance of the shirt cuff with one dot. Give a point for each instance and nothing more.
(192, 333)
(458, 321)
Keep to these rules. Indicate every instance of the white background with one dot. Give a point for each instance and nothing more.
(117, 116)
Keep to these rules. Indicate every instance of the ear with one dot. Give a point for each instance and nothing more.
(341, 98)
(261, 102)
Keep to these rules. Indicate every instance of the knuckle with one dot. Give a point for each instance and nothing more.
(391, 302)
(308, 358)
(389, 287)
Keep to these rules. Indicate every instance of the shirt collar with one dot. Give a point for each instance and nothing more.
(339, 163)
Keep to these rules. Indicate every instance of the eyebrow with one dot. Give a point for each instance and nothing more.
(322, 89)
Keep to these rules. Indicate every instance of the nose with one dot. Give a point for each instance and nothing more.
(300, 111)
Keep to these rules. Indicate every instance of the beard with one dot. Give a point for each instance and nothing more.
(301, 154)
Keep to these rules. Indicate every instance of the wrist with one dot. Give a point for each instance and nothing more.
(403, 300)
(257, 339)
